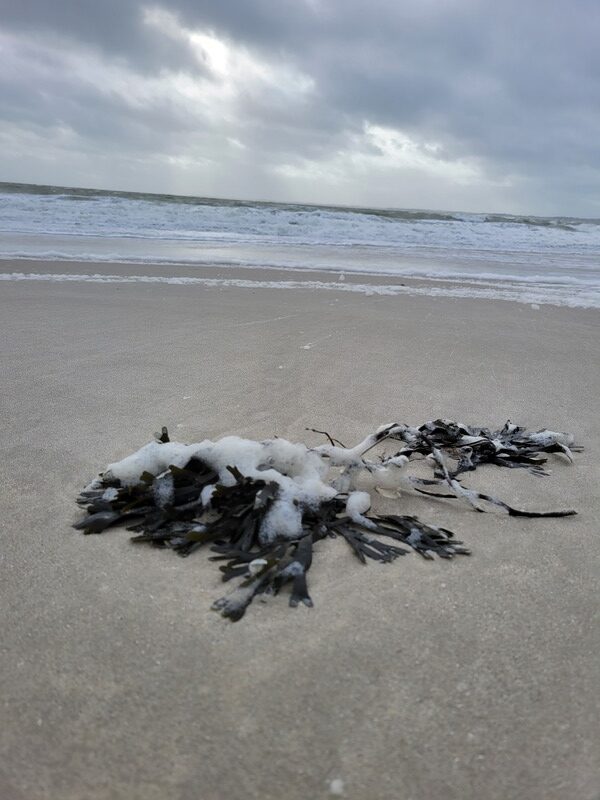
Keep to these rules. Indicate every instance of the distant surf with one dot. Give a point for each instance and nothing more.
(555, 259)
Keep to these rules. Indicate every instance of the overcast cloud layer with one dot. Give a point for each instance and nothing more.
(453, 104)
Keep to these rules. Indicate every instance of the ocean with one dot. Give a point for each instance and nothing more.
(536, 260)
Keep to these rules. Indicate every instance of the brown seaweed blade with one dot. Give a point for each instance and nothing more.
(471, 495)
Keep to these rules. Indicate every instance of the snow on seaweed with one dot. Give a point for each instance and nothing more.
(261, 506)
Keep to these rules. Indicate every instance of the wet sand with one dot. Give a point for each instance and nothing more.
(471, 680)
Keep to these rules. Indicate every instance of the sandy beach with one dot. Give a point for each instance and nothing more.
(476, 679)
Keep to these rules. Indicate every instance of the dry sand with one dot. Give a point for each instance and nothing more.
(471, 680)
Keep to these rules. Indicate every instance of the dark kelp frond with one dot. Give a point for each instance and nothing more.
(261, 507)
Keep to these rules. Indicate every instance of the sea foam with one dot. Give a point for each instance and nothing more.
(530, 259)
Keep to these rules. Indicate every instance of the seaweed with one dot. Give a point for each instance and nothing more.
(195, 504)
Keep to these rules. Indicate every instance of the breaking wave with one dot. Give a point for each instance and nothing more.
(552, 254)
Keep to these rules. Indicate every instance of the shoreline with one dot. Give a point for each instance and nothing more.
(289, 278)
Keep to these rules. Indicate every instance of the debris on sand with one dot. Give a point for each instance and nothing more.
(262, 506)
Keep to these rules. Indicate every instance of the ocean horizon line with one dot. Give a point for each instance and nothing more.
(18, 187)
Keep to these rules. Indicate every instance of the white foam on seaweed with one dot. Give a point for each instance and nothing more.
(357, 505)
(154, 457)
(207, 493)
(284, 496)
(299, 472)
(308, 477)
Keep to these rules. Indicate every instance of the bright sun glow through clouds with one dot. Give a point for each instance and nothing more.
(234, 72)
(231, 71)
(414, 104)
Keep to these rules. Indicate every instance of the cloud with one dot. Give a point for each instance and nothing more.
(463, 104)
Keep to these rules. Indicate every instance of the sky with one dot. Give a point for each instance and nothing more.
(473, 105)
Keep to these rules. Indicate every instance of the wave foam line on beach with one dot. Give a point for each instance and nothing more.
(442, 273)
(547, 296)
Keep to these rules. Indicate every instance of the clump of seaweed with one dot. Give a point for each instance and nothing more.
(260, 507)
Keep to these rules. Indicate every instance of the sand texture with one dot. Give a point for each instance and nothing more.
(477, 679)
